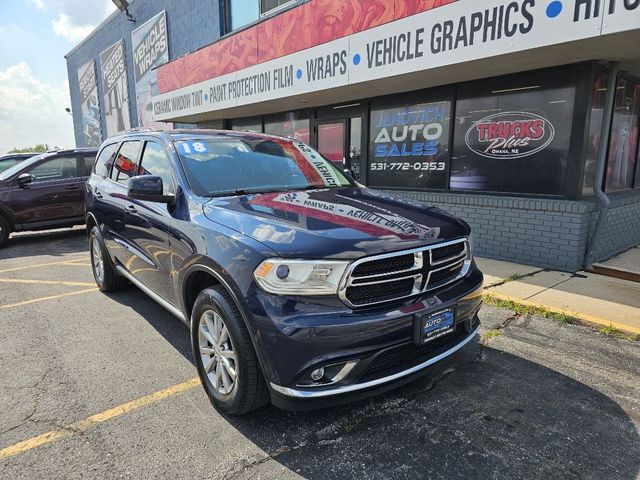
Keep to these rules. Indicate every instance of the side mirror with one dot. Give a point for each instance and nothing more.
(25, 179)
(148, 188)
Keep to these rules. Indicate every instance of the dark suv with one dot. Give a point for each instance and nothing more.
(298, 284)
(45, 191)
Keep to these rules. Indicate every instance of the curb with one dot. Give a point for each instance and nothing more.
(583, 318)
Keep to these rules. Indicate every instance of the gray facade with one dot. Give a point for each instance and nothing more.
(187, 31)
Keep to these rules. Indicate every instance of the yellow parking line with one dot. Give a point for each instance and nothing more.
(38, 265)
(46, 282)
(82, 425)
(52, 297)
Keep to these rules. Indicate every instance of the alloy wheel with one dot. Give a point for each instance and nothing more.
(97, 260)
(216, 352)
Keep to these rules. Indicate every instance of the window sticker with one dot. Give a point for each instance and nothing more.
(189, 148)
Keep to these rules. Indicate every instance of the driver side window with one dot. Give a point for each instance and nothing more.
(58, 168)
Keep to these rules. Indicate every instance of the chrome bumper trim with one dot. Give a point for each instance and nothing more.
(298, 393)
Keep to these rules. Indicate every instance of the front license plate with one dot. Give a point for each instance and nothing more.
(435, 325)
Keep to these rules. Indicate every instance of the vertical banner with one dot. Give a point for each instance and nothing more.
(150, 49)
(114, 85)
(90, 104)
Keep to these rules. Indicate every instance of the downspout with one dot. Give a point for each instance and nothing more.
(601, 162)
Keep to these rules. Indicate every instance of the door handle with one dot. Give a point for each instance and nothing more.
(72, 187)
(132, 209)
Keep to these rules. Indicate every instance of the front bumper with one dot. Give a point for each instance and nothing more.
(295, 336)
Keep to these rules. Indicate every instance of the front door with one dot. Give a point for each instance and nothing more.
(340, 139)
(148, 227)
(55, 194)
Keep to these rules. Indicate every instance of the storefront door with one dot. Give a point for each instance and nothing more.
(340, 141)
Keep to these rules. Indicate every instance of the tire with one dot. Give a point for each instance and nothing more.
(103, 271)
(5, 230)
(249, 390)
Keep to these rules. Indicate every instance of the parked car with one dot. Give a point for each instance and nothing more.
(45, 191)
(299, 285)
(11, 159)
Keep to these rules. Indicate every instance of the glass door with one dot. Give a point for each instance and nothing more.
(331, 142)
(340, 141)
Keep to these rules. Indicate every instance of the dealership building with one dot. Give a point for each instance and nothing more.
(519, 116)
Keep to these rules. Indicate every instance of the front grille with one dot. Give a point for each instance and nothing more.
(384, 265)
(445, 253)
(379, 292)
(442, 276)
(398, 275)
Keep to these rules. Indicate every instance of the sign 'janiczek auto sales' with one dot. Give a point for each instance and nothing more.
(462, 31)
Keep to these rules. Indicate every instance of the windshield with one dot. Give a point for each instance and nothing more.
(234, 165)
(6, 163)
(16, 168)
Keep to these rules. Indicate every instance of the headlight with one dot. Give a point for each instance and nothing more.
(471, 246)
(300, 277)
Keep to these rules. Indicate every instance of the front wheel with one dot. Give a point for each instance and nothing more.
(224, 354)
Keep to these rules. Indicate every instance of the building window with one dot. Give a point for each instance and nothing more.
(623, 143)
(292, 124)
(513, 135)
(409, 144)
(244, 12)
(246, 124)
(267, 6)
(241, 13)
(595, 129)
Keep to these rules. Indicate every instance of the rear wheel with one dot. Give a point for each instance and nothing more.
(103, 272)
(224, 355)
(5, 229)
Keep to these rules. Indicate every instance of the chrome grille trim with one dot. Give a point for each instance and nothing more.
(418, 271)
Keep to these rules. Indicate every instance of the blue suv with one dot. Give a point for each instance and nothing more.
(299, 285)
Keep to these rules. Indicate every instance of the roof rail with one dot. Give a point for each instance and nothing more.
(138, 129)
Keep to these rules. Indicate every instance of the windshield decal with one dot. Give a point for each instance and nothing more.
(320, 165)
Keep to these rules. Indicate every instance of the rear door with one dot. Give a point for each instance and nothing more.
(148, 224)
(112, 195)
(54, 195)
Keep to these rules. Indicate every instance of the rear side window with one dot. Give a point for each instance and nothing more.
(89, 160)
(125, 165)
(105, 160)
(55, 169)
(155, 162)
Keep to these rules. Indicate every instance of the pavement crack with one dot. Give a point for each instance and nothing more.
(515, 277)
(254, 461)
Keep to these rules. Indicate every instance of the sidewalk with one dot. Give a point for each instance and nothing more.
(589, 297)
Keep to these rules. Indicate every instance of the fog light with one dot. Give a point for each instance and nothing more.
(317, 374)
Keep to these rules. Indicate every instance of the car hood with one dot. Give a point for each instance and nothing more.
(334, 223)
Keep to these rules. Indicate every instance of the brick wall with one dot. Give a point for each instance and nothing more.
(190, 25)
(544, 233)
(621, 229)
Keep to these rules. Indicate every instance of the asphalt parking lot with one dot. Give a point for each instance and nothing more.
(96, 385)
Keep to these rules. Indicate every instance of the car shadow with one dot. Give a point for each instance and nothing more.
(481, 413)
(53, 243)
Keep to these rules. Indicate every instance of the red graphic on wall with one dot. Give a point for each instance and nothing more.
(310, 24)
